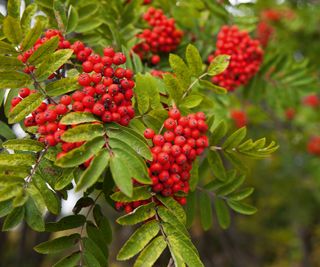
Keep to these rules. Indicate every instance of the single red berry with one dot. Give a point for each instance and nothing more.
(24, 92)
(149, 133)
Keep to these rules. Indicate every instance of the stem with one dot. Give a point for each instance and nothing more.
(211, 193)
(214, 148)
(35, 167)
(193, 83)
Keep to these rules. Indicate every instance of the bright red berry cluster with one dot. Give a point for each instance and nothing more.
(63, 44)
(161, 37)
(311, 101)
(239, 118)
(173, 154)
(107, 89)
(246, 57)
(314, 146)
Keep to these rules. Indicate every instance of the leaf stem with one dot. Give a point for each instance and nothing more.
(193, 83)
(36, 165)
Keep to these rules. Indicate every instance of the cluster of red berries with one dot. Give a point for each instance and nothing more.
(107, 89)
(290, 113)
(311, 101)
(173, 154)
(158, 73)
(246, 57)
(314, 146)
(239, 118)
(63, 44)
(161, 37)
(264, 32)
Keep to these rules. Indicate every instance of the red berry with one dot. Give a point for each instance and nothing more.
(149, 133)
(98, 109)
(65, 100)
(24, 92)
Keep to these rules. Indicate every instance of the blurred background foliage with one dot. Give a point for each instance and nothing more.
(286, 230)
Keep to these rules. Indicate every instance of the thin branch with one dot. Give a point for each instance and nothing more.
(36, 165)
(192, 84)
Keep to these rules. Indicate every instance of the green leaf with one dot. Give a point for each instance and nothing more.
(218, 133)
(216, 164)
(6, 131)
(33, 216)
(6, 48)
(194, 175)
(97, 236)
(138, 240)
(140, 214)
(219, 64)
(62, 86)
(8, 63)
(102, 223)
(169, 217)
(235, 139)
(79, 155)
(95, 250)
(212, 87)
(180, 69)
(14, 79)
(147, 93)
(57, 245)
(90, 260)
(43, 51)
(194, 60)
(91, 175)
(241, 208)
(231, 185)
(65, 179)
(88, 24)
(5, 207)
(205, 211)
(13, 219)
(73, 19)
(69, 261)
(27, 15)
(60, 14)
(133, 139)
(223, 214)
(173, 87)
(52, 202)
(21, 198)
(77, 118)
(151, 253)
(241, 194)
(32, 35)
(25, 107)
(135, 164)
(13, 8)
(17, 159)
(138, 193)
(191, 101)
(83, 132)
(66, 223)
(24, 145)
(12, 29)
(189, 256)
(53, 62)
(121, 174)
(191, 209)
(174, 207)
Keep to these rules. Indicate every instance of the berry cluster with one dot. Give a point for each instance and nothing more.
(158, 73)
(290, 113)
(161, 37)
(314, 146)
(311, 101)
(264, 32)
(239, 118)
(107, 89)
(246, 57)
(63, 44)
(173, 154)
